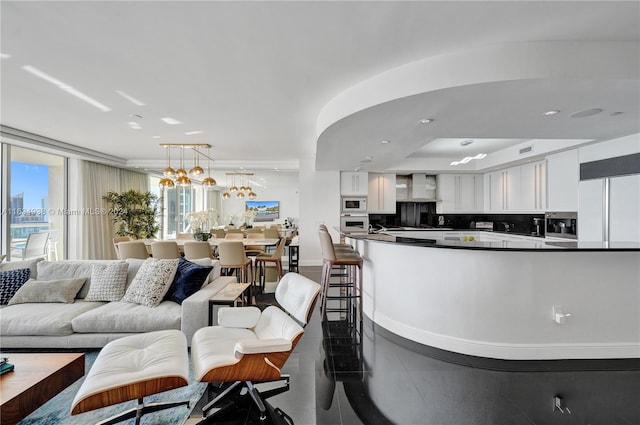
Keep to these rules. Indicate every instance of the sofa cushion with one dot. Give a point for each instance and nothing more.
(48, 291)
(128, 317)
(215, 273)
(69, 269)
(32, 265)
(188, 279)
(108, 282)
(151, 282)
(10, 282)
(51, 319)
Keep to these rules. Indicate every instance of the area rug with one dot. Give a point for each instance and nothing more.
(56, 410)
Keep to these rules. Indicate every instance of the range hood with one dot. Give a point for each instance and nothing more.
(417, 187)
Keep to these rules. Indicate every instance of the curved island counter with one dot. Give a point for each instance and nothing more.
(498, 299)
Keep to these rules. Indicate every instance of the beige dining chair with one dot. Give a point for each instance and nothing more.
(218, 233)
(116, 241)
(132, 249)
(234, 235)
(271, 233)
(234, 230)
(197, 249)
(274, 258)
(165, 249)
(184, 236)
(232, 256)
(253, 250)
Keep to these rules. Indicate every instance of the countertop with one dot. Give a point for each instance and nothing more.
(540, 245)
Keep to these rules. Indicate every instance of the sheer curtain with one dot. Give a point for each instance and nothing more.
(94, 238)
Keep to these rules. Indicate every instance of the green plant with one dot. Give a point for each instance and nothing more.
(134, 213)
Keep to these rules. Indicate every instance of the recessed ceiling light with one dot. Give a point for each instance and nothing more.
(190, 133)
(368, 157)
(426, 120)
(134, 125)
(385, 142)
(551, 112)
(586, 113)
(171, 121)
(155, 137)
(5, 55)
(466, 142)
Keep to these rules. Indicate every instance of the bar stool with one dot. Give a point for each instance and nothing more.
(338, 247)
(350, 284)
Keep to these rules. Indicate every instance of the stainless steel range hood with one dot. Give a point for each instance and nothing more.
(417, 187)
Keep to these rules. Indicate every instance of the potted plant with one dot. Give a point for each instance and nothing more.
(134, 213)
(200, 222)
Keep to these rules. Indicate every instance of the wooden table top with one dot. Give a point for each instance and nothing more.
(36, 379)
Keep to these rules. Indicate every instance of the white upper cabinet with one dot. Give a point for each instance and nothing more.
(423, 187)
(354, 183)
(533, 187)
(563, 177)
(459, 193)
(382, 194)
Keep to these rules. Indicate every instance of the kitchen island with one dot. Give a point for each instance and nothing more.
(511, 300)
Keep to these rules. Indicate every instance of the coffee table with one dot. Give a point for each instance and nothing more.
(36, 379)
(230, 295)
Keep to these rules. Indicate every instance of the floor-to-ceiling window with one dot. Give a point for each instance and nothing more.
(35, 202)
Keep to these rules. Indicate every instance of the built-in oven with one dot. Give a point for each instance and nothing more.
(353, 204)
(561, 225)
(354, 223)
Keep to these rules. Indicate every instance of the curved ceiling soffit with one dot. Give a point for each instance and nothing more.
(489, 64)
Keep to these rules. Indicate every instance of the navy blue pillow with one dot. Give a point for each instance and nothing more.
(10, 282)
(188, 280)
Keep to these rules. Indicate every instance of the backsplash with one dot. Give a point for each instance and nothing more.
(512, 223)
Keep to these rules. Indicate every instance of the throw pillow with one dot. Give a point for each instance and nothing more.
(151, 282)
(48, 291)
(108, 282)
(10, 282)
(188, 280)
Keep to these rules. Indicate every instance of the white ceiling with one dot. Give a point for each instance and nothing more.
(255, 77)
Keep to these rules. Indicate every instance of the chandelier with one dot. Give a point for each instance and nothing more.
(243, 190)
(180, 177)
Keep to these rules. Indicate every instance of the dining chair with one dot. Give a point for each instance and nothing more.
(218, 233)
(253, 250)
(197, 249)
(234, 230)
(116, 241)
(165, 249)
(271, 233)
(274, 258)
(132, 249)
(232, 256)
(184, 236)
(234, 235)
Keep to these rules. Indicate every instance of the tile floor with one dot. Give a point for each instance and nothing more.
(381, 382)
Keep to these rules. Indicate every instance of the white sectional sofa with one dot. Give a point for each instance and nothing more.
(89, 324)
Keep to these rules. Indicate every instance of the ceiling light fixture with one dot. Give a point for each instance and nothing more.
(209, 181)
(244, 185)
(130, 98)
(179, 177)
(469, 158)
(191, 133)
(66, 87)
(466, 142)
(197, 169)
(385, 142)
(171, 121)
(551, 112)
(426, 121)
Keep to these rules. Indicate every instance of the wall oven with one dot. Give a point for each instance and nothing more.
(561, 225)
(354, 223)
(353, 204)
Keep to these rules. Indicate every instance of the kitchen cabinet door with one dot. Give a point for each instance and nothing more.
(495, 191)
(459, 193)
(563, 176)
(382, 194)
(354, 183)
(590, 211)
(624, 209)
(532, 196)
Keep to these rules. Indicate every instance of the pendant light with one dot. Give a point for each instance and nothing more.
(226, 194)
(197, 169)
(183, 180)
(166, 182)
(209, 181)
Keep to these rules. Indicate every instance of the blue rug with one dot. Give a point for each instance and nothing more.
(56, 410)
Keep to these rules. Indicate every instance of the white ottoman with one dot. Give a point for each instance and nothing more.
(133, 367)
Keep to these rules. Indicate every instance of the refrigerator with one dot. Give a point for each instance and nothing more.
(609, 209)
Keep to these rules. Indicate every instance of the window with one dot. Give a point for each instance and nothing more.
(36, 202)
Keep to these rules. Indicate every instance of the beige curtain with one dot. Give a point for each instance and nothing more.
(96, 231)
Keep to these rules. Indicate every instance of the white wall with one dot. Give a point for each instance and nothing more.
(610, 149)
(319, 204)
(280, 186)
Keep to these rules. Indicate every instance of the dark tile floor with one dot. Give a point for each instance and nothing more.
(379, 381)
